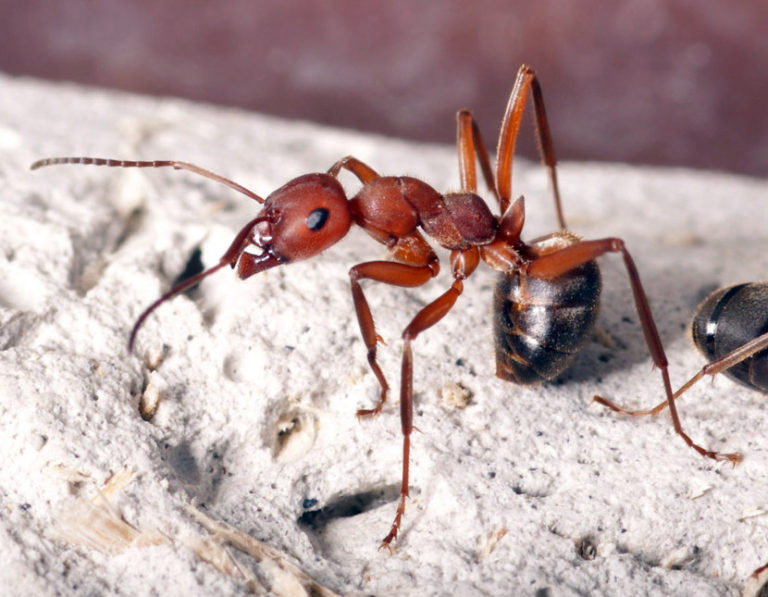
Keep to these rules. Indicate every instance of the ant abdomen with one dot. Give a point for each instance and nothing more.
(540, 325)
(726, 320)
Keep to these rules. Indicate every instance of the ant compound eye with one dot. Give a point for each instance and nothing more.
(314, 214)
(317, 218)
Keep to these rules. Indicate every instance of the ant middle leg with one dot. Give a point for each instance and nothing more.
(463, 264)
(558, 262)
(425, 319)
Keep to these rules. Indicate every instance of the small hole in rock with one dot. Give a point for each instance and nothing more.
(349, 505)
(193, 267)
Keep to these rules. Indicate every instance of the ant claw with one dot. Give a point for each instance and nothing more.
(386, 544)
(368, 412)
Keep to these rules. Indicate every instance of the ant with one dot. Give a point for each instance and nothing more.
(729, 329)
(547, 294)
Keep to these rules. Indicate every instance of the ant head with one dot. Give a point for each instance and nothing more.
(299, 220)
(305, 216)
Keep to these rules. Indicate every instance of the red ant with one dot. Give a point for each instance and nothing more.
(547, 294)
(728, 327)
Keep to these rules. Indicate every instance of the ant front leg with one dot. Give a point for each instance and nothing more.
(389, 272)
(559, 262)
(422, 266)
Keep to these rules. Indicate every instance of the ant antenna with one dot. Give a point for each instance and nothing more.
(179, 288)
(230, 257)
(85, 161)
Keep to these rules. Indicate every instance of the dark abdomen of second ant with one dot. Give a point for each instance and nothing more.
(728, 318)
(540, 325)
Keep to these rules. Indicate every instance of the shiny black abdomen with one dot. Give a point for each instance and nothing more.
(540, 325)
(728, 318)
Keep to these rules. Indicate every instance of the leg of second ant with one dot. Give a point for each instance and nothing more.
(653, 411)
(733, 358)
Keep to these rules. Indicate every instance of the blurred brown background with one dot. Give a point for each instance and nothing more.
(679, 82)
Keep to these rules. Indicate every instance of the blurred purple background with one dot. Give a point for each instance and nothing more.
(680, 82)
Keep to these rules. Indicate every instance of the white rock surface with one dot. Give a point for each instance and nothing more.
(506, 490)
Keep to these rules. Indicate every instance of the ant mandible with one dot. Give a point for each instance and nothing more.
(729, 329)
(547, 294)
